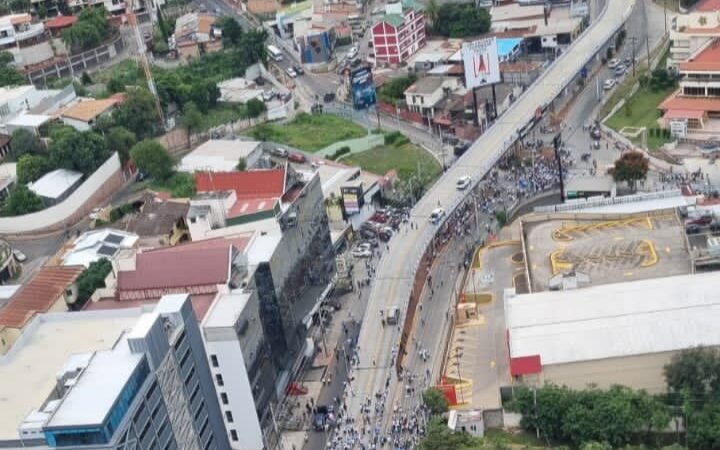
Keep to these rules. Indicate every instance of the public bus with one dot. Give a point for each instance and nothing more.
(274, 53)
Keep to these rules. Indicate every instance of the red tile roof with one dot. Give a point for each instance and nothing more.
(708, 6)
(690, 104)
(61, 22)
(683, 114)
(172, 268)
(200, 303)
(246, 184)
(707, 60)
(251, 206)
(39, 294)
(525, 365)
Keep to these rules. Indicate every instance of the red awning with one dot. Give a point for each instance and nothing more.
(525, 365)
(683, 114)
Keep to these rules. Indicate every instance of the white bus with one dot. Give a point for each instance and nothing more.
(274, 53)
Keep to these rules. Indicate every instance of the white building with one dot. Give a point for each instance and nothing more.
(470, 421)
(620, 333)
(691, 32)
(84, 114)
(93, 245)
(424, 95)
(18, 29)
(221, 155)
(28, 107)
(55, 186)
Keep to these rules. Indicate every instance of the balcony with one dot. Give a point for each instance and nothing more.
(29, 31)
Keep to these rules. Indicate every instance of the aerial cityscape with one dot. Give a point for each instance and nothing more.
(360, 224)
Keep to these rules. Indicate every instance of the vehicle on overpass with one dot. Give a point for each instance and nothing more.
(436, 215)
(393, 315)
(274, 53)
(463, 182)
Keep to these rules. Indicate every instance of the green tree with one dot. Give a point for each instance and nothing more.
(263, 132)
(192, 118)
(18, 6)
(631, 167)
(255, 107)
(138, 114)
(9, 75)
(24, 142)
(22, 201)
(90, 280)
(31, 167)
(90, 30)
(596, 446)
(435, 401)
(458, 20)
(232, 33)
(121, 140)
(241, 165)
(440, 437)
(432, 11)
(696, 371)
(395, 89)
(83, 151)
(151, 157)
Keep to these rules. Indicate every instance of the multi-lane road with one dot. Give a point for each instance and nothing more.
(396, 270)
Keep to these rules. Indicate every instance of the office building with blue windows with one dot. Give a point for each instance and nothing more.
(126, 379)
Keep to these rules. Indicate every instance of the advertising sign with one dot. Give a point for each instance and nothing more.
(362, 88)
(352, 197)
(482, 66)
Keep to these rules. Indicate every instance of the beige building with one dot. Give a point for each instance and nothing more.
(691, 32)
(622, 333)
(51, 289)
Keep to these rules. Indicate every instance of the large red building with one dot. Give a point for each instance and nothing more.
(399, 33)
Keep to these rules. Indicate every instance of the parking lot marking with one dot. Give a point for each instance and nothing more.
(628, 274)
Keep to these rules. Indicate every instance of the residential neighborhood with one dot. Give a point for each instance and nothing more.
(358, 225)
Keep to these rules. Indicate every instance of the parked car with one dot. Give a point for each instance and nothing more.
(280, 152)
(379, 217)
(613, 63)
(609, 84)
(352, 52)
(711, 145)
(355, 62)
(436, 215)
(19, 256)
(291, 72)
(320, 418)
(692, 229)
(268, 95)
(620, 70)
(715, 226)
(299, 70)
(361, 253)
(702, 220)
(595, 133)
(296, 157)
(463, 182)
(460, 149)
(329, 97)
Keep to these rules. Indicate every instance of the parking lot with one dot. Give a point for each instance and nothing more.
(608, 251)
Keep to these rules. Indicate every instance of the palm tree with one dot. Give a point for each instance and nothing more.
(432, 9)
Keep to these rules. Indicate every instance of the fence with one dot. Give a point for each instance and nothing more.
(76, 64)
(402, 113)
(102, 184)
(594, 202)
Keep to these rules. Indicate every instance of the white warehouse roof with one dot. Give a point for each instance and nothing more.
(218, 155)
(54, 184)
(615, 320)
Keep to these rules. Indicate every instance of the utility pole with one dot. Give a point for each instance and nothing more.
(633, 39)
(647, 48)
(665, 12)
(557, 142)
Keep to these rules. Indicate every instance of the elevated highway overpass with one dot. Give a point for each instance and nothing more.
(396, 272)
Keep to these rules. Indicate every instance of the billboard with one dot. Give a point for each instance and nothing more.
(352, 199)
(482, 66)
(362, 88)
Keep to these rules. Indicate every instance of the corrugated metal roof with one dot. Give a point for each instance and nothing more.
(246, 184)
(39, 294)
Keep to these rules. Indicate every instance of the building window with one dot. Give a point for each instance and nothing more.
(214, 361)
(694, 91)
(224, 398)
(219, 379)
(229, 416)
(713, 92)
(233, 435)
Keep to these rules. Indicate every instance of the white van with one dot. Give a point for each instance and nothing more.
(393, 315)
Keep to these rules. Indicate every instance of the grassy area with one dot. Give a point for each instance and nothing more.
(309, 132)
(406, 159)
(222, 114)
(128, 70)
(640, 110)
(523, 438)
(180, 185)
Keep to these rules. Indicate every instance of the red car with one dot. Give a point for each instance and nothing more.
(379, 217)
(297, 158)
(703, 220)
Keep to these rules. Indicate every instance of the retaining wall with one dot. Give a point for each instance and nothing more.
(98, 188)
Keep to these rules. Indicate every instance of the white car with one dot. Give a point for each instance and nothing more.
(463, 183)
(609, 84)
(613, 62)
(19, 256)
(352, 53)
(363, 246)
(291, 72)
(361, 253)
(436, 215)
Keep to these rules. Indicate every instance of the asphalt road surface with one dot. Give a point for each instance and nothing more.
(395, 272)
